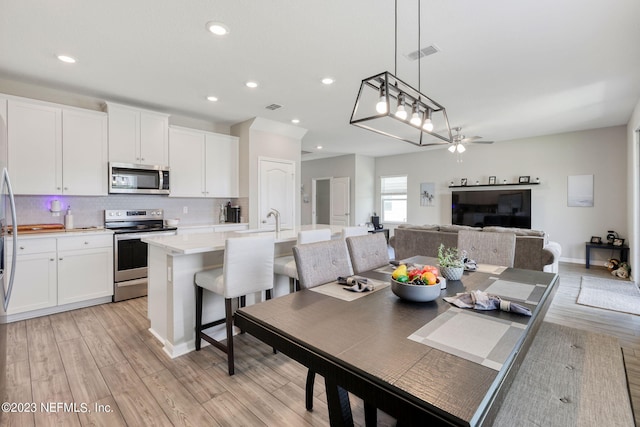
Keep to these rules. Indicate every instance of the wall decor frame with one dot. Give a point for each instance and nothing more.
(463, 181)
(596, 239)
(427, 194)
(618, 242)
(492, 180)
(580, 191)
(524, 179)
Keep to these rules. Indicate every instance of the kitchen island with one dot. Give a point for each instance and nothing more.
(173, 262)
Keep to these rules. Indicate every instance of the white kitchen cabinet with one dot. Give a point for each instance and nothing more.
(52, 272)
(35, 147)
(56, 150)
(85, 268)
(203, 164)
(137, 136)
(85, 152)
(35, 282)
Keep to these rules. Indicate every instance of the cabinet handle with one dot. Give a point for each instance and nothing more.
(52, 259)
(86, 243)
(22, 248)
(59, 259)
(66, 188)
(57, 188)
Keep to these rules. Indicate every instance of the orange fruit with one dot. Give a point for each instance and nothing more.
(429, 278)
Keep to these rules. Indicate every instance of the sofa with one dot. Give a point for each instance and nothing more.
(533, 250)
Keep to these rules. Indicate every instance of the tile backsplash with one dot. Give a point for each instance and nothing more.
(89, 211)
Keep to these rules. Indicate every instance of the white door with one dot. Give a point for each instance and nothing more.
(340, 201)
(277, 191)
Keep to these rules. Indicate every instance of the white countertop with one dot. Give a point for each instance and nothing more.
(63, 233)
(208, 242)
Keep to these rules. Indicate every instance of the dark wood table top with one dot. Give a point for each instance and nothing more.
(363, 345)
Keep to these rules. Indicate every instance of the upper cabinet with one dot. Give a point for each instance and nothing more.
(137, 136)
(203, 164)
(56, 150)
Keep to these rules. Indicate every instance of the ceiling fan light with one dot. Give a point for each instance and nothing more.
(461, 148)
(452, 148)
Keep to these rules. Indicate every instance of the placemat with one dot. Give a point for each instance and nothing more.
(335, 290)
(478, 338)
(514, 291)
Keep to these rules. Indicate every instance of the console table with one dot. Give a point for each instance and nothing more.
(382, 230)
(624, 251)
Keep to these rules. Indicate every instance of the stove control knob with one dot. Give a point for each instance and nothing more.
(119, 213)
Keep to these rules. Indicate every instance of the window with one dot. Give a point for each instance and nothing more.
(393, 192)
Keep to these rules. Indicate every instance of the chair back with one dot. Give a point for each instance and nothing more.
(248, 265)
(312, 236)
(486, 247)
(368, 252)
(354, 231)
(321, 262)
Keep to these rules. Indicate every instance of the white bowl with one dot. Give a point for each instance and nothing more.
(171, 222)
(418, 293)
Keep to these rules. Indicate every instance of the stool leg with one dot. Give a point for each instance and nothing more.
(228, 308)
(199, 291)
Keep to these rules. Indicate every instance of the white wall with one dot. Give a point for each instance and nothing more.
(633, 189)
(359, 169)
(552, 158)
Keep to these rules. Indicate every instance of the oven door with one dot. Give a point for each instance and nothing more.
(130, 264)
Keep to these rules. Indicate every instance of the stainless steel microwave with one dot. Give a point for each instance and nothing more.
(138, 179)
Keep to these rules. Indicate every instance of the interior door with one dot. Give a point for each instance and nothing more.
(277, 191)
(340, 201)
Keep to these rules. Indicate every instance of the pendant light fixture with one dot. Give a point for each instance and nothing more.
(381, 106)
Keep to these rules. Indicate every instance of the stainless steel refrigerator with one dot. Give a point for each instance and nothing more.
(7, 212)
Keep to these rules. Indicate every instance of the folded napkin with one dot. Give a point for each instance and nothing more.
(355, 283)
(480, 300)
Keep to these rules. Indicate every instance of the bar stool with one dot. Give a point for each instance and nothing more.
(286, 265)
(319, 263)
(248, 268)
(368, 252)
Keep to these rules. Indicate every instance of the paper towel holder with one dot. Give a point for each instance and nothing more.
(55, 207)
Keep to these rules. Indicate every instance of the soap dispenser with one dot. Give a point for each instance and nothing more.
(68, 219)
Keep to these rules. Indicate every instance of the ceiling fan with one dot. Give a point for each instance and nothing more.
(459, 140)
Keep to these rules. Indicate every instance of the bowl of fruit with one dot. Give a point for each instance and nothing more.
(416, 284)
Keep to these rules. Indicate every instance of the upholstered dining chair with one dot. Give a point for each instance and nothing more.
(486, 247)
(368, 252)
(354, 231)
(247, 269)
(319, 263)
(286, 266)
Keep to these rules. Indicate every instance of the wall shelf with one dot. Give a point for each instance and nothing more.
(493, 185)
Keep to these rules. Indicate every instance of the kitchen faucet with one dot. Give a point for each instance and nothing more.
(274, 212)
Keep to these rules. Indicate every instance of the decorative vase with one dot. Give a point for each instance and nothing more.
(451, 273)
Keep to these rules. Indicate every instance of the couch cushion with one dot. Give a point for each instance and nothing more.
(455, 228)
(516, 231)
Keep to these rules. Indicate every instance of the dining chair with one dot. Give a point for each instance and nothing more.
(486, 247)
(354, 231)
(247, 269)
(319, 263)
(286, 266)
(368, 252)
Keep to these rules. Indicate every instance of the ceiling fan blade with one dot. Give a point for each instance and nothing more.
(470, 138)
(482, 142)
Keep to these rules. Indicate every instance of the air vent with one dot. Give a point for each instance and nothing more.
(273, 107)
(425, 51)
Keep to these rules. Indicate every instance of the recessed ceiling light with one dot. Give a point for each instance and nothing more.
(327, 81)
(217, 28)
(295, 121)
(67, 59)
(212, 98)
(319, 147)
(252, 85)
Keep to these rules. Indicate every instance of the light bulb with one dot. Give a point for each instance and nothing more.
(381, 106)
(427, 125)
(415, 119)
(401, 112)
(461, 148)
(452, 148)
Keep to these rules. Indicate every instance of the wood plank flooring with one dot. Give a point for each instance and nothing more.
(104, 360)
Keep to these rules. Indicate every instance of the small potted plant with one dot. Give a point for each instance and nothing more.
(450, 263)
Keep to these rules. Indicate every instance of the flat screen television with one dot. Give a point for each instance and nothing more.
(484, 208)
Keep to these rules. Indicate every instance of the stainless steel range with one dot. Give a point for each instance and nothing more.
(129, 251)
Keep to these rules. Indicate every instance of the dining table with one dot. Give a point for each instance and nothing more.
(423, 363)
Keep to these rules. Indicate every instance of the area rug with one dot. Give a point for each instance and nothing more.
(616, 295)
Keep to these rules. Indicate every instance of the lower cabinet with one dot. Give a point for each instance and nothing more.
(54, 271)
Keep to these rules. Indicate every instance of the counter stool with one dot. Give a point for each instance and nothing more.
(286, 265)
(248, 268)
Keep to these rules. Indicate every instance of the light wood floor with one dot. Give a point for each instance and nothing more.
(105, 356)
